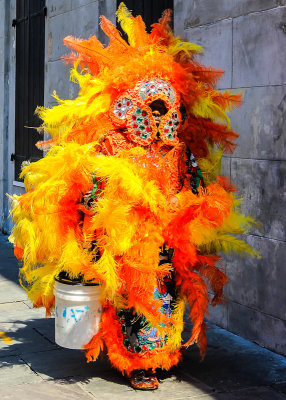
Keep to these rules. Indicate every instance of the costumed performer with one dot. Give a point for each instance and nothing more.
(129, 194)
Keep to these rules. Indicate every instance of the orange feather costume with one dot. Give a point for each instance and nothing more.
(115, 187)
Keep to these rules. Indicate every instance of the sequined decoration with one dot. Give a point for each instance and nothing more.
(138, 334)
(157, 86)
(91, 197)
(121, 107)
(141, 123)
(169, 128)
(195, 173)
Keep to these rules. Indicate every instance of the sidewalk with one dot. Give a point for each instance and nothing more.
(33, 367)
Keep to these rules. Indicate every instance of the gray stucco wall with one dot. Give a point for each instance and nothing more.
(247, 39)
(2, 83)
(7, 108)
(78, 18)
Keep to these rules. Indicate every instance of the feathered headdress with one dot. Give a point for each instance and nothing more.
(109, 72)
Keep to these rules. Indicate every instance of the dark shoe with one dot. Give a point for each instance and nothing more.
(143, 380)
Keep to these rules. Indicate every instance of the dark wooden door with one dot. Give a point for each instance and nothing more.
(30, 57)
(150, 10)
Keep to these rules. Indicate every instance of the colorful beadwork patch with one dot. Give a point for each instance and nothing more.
(168, 127)
(151, 87)
(141, 126)
(138, 335)
(141, 123)
(121, 107)
(195, 173)
(94, 194)
(134, 110)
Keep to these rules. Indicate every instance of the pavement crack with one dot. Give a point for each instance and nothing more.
(41, 334)
(91, 395)
(29, 366)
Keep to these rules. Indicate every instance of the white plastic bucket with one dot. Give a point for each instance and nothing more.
(77, 314)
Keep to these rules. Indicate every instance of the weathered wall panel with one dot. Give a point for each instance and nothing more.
(259, 284)
(79, 18)
(201, 12)
(81, 22)
(57, 78)
(214, 38)
(262, 184)
(261, 123)
(263, 329)
(259, 49)
(2, 42)
(4, 109)
(247, 38)
(56, 7)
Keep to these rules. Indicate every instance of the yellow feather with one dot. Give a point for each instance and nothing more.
(175, 332)
(211, 166)
(126, 21)
(204, 107)
(186, 47)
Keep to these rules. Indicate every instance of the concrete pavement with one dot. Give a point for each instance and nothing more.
(32, 366)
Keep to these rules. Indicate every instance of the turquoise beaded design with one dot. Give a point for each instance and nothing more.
(141, 124)
(170, 126)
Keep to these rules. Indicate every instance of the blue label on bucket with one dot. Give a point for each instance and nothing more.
(71, 313)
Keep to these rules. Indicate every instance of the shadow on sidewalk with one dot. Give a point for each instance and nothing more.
(9, 265)
(231, 363)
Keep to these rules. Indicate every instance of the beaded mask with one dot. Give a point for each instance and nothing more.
(148, 112)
